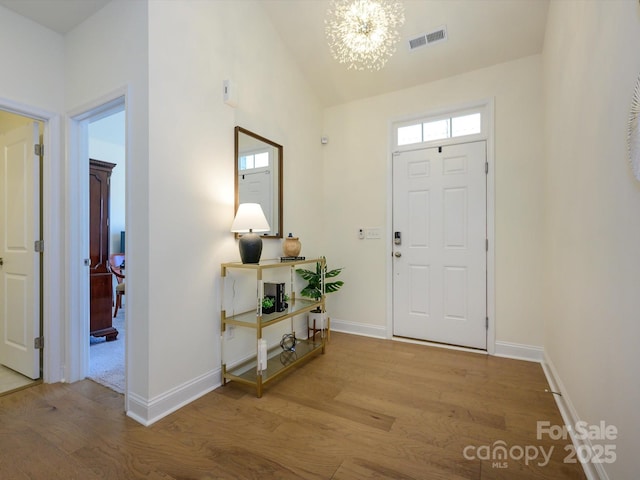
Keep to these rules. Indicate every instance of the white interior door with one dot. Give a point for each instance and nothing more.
(20, 269)
(440, 263)
(256, 186)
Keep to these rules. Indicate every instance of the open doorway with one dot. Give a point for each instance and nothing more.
(106, 147)
(21, 284)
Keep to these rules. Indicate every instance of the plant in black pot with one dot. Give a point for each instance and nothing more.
(314, 290)
(268, 305)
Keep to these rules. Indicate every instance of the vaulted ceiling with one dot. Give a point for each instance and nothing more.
(58, 15)
(480, 33)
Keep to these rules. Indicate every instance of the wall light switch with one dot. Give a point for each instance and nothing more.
(374, 233)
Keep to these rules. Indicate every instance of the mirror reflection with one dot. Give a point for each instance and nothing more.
(258, 176)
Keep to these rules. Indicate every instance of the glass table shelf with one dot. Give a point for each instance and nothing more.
(251, 319)
(278, 361)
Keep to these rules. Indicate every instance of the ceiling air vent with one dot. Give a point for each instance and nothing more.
(435, 36)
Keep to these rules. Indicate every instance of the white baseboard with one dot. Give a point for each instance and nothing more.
(344, 326)
(150, 411)
(593, 471)
(519, 351)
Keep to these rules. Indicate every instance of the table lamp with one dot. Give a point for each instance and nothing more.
(249, 219)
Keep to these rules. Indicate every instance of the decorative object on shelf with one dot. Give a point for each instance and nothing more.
(291, 246)
(633, 135)
(249, 219)
(276, 291)
(288, 357)
(317, 319)
(268, 305)
(363, 33)
(288, 342)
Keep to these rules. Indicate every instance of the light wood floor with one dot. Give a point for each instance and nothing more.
(366, 409)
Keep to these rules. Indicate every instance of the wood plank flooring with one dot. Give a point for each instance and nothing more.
(366, 409)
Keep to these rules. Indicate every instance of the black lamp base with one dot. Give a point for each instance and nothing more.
(250, 248)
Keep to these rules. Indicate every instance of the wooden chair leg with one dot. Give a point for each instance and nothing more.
(118, 304)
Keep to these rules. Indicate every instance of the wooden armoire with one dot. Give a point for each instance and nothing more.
(100, 281)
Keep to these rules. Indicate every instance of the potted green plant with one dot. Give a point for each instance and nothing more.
(268, 305)
(314, 277)
(314, 289)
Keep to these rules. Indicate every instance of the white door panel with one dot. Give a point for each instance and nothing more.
(439, 208)
(257, 187)
(20, 269)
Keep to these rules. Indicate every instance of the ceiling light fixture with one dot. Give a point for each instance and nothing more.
(363, 33)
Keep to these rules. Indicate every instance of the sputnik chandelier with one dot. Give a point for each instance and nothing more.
(362, 33)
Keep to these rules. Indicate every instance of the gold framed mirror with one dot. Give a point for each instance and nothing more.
(258, 176)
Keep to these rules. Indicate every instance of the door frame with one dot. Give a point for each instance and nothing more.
(52, 260)
(77, 219)
(487, 107)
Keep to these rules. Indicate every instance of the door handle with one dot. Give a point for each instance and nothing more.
(397, 254)
(1, 261)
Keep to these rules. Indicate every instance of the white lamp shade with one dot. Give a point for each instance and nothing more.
(250, 218)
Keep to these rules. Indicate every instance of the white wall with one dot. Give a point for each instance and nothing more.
(105, 54)
(179, 163)
(592, 205)
(356, 191)
(34, 56)
(194, 46)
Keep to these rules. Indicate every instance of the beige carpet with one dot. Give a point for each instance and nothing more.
(107, 358)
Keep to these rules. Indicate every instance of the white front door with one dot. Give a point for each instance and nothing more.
(256, 186)
(440, 257)
(20, 269)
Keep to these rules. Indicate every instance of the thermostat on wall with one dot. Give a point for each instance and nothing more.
(230, 93)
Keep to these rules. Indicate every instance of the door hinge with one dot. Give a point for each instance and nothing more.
(486, 244)
(38, 149)
(486, 167)
(38, 246)
(38, 343)
(487, 323)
